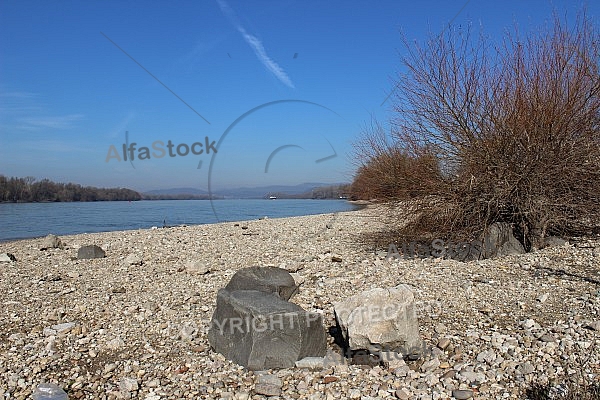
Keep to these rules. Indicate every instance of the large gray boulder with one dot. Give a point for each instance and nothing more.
(380, 319)
(260, 331)
(264, 279)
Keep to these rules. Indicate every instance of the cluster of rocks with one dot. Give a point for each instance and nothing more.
(135, 323)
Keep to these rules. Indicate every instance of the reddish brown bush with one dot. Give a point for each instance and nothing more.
(481, 134)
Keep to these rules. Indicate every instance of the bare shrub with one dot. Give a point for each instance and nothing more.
(511, 133)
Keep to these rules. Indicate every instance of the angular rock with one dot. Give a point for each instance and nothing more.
(62, 328)
(554, 241)
(443, 343)
(264, 279)
(7, 257)
(90, 251)
(197, 267)
(594, 325)
(311, 363)
(392, 359)
(380, 319)
(498, 241)
(462, 394)
(128, 385)
(51, 242)
(49, 391)
(268, 385)
(261, 331)
(133, 259)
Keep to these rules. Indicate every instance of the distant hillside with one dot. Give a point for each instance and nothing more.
(177, 191)
(177, 194)
(301, 191)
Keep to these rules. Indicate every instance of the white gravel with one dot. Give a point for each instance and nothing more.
(134, 324)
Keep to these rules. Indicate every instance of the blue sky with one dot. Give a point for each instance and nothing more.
(68, 91)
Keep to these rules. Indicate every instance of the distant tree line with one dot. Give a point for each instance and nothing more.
(26, 190)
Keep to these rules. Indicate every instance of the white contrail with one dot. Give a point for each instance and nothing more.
(256, 45)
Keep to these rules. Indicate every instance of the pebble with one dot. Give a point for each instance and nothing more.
(310, 363)
(443, 343)
(462, 394)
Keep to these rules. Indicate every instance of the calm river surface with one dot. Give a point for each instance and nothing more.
(27, 220)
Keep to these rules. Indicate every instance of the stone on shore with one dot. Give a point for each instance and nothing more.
(90, 251)
(499, 241)
(51, 242)
(265, 279)
(380, 319)
(261, 331)
(7, 257)
(197, 267)
(133, 259)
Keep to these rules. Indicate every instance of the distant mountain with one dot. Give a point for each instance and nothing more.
(176, 191)
(303, 190)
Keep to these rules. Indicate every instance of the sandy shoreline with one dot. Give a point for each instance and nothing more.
(139, 331)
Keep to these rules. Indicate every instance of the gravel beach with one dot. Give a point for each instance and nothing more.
(134, 324)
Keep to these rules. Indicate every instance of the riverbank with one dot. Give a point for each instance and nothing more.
(105, 328)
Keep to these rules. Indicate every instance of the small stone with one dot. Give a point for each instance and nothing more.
(526, 368)
(110, 367)
(268, 385)
(154, 383)
(310, 362)
(473, 377)
(528, 324)
(547, 338)
(128, 385)
(392, 359)
(133, 259)
(51, 242)
(333, 359)
(402, 394)
(197, 267)
(269, 379)
(115, 344)
(443, 343)
(462, 394)
(336, 258)
(542, 298)
(440, 328)
(7, 257)
(354, 394)
(63, 328)
(430, 365)
(595, 325)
